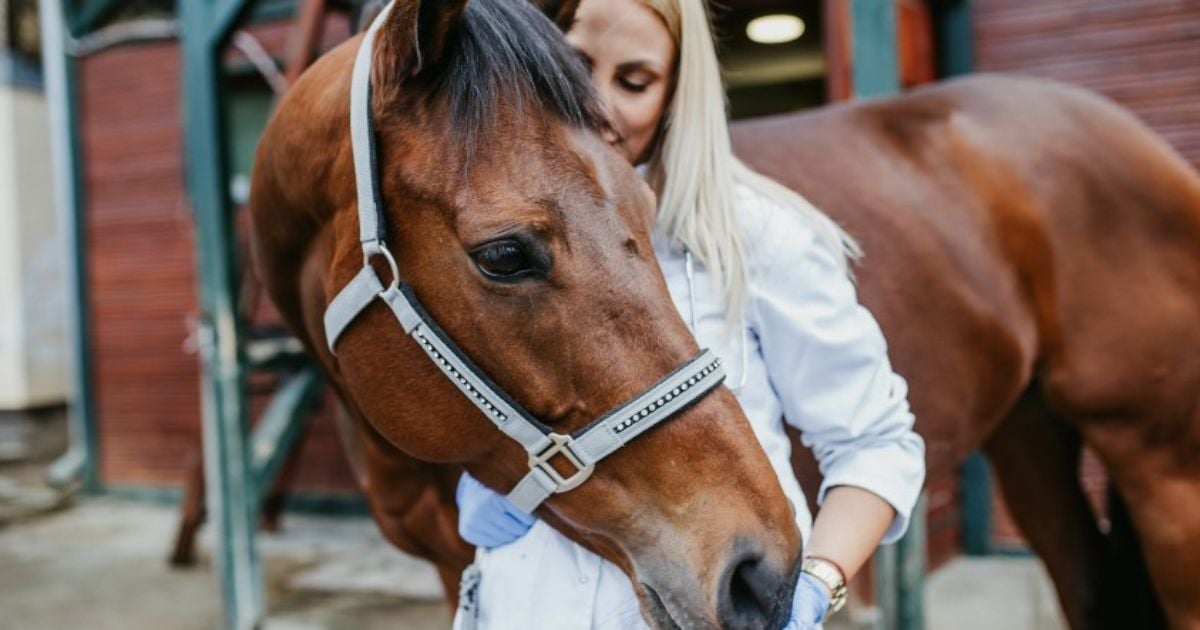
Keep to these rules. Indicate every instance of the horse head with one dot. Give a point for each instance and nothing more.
(528, 240)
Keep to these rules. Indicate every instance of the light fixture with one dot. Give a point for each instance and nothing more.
(775, 29)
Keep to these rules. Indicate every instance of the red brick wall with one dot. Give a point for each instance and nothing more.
(141, 271)
(141, 282)
(1143, 54)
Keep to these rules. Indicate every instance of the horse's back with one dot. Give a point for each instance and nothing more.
(933, 273)
(997, 216)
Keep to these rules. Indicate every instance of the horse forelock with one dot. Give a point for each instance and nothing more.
(504, 56)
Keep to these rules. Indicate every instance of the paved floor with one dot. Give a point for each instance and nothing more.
(993, 593)
(100, 564)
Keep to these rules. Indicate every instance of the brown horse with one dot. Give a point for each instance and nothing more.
(528, 240)
(1032, 254)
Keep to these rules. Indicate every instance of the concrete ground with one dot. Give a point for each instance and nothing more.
(99, 563)
(992, 593)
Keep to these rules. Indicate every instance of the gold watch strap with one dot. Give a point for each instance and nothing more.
(831, 576)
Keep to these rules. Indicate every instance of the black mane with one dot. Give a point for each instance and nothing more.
(507, 51)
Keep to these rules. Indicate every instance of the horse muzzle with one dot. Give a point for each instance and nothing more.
(747, 591)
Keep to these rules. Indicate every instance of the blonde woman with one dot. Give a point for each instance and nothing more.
(763, 278)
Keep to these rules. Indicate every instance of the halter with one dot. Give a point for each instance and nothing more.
(583, 448)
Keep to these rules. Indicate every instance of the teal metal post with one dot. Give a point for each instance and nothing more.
(886, 590)
(953, 35)
(92, 14)
(976, 482)
(876, 65)
(80, 463)
(899, 569)
(229, 13)
(232, 493)
(281, 425)
(910, 568)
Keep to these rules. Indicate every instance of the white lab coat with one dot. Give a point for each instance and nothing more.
(815, 356)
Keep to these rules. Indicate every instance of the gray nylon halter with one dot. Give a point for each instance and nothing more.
(583, 448)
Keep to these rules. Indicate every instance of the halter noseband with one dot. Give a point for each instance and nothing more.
(583, 448)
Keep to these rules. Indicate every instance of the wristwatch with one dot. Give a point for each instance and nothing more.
(829, 574)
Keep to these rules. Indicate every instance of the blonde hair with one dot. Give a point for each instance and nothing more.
(694, 172)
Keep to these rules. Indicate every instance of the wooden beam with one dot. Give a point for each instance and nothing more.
(914, 36)
(305, 37)
(839, 57)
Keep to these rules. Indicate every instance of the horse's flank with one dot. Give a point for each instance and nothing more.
(1033, 256)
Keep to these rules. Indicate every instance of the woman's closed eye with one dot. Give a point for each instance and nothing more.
(633, 86)
(636, 82)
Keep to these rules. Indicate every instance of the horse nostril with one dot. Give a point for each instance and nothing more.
(741, 594)
(751, 596)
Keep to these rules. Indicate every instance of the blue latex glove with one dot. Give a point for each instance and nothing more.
(487, 519)
(808, 604)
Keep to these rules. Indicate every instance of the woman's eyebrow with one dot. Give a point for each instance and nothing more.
(641, 64)
(638, 64)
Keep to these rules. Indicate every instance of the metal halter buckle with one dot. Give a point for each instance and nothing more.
(562, 444)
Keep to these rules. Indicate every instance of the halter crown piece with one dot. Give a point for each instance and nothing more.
(583, 448)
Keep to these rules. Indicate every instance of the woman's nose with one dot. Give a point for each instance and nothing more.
(612, 134)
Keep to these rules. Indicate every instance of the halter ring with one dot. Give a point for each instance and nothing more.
(372, 249)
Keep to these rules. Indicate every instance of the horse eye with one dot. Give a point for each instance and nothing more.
(505, 261)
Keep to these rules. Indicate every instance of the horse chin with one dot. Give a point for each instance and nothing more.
(656, 611)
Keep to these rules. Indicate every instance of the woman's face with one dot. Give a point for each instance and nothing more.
(632, 58)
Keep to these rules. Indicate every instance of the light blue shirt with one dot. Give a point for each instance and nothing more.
(814, 357)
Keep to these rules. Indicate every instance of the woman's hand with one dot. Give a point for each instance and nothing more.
(487, 519)
(808, 604)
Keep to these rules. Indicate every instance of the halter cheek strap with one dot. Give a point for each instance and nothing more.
(581, 449)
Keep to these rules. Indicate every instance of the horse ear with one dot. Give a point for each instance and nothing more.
(561, 12)
(414, 37)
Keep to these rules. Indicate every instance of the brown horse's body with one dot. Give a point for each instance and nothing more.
(1032, 254)
(1033, 257)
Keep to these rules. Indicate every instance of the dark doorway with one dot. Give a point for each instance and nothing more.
(771, 78)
